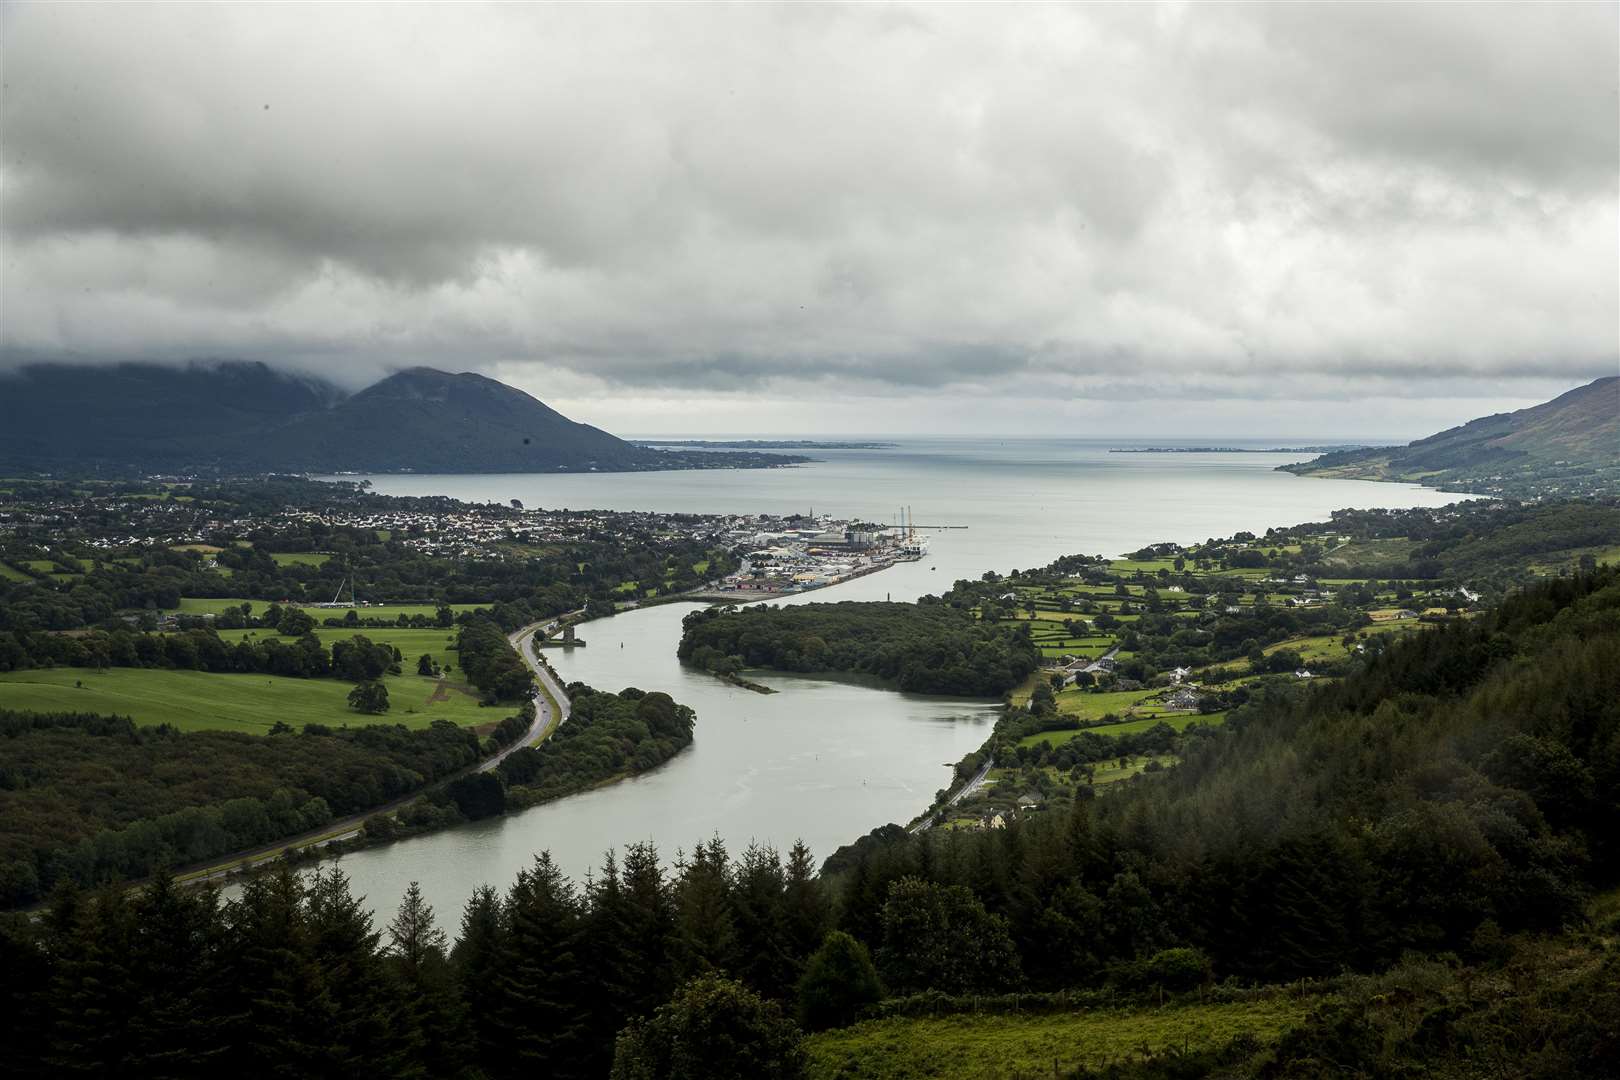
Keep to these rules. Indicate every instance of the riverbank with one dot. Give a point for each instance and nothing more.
(630, 732)
(336, 838)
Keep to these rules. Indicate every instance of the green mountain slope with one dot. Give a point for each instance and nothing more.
(1567, 446)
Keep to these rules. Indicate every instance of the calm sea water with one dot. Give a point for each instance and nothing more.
(827, 760)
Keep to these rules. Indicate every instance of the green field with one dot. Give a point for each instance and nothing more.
(1179, 721)
(1113, 772)
(9, 573)
(299, 558)
(1088, 705)
(198, 700)
(212, 605)
(983, 1047)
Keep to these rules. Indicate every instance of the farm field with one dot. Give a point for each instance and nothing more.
(982, 1046)
(1178, 721)
(213, 605)
(200, 700)
(299, 558)
(1113, 772)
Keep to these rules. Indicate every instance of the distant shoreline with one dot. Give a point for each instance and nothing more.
(1327, 449)
(763, 444)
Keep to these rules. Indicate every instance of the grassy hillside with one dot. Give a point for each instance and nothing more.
(1530, 1007)
(1567, 446)
(978, 1047)
(204, 701)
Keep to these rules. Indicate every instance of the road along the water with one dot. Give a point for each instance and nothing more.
(827, 760)
(551, 708)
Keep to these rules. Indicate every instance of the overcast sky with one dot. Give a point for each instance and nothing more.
(1281, 220)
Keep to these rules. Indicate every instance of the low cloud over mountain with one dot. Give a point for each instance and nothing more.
(773, 208)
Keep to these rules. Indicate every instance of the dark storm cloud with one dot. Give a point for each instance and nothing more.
(1268, 199)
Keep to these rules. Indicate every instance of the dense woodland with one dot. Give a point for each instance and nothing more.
(91, 799)
(1464, 783)
(926, 649)
(88, 799)
(607, 735)
(1456, 792)
(491, 663)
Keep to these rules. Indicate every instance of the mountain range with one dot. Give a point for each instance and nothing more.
(1567, 446)
(237, 416)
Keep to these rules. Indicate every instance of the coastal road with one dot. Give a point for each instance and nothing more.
(551, 707)
(967, 789)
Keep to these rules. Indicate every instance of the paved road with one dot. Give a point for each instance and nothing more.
(544, 722)
(966, 789)
(343, 829)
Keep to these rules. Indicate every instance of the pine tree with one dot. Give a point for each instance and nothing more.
(766, 960)
(364, 1033)
(706, 929)
(414, 939)
(94, 993)
(806, 909)
(476, 962)
(430, 1011)
(649, 926)
(274, 995)
(178, 964)
(539, 1008)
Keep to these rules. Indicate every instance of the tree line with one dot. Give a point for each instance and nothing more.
(927, 648)
(293, 979)
(491, 663)
(607, 736)
(89, 799)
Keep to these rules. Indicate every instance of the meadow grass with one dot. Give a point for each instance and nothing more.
(988, 1047)
(214, 605)
(1178, 721)
(300, 558)
(1146, 566)
(1113, 773)
(11, 573)
(1092, 706)
(1389, 550)
(200, 700)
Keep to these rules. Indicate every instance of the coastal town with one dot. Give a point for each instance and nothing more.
(46, 532)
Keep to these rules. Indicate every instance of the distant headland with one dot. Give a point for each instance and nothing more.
(1324, 449)
(764, 444)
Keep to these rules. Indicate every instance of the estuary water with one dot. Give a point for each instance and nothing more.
(826, 760)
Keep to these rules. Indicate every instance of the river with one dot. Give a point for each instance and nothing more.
(826, 760)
